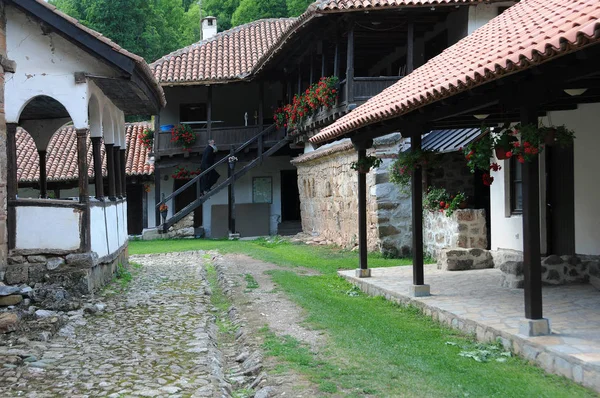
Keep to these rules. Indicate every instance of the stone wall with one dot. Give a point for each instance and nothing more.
(3, 160)
(328, 196)
(464, 229)
(452, 174)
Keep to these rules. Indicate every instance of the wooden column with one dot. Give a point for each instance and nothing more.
(336, 59)
(231, 194)
(417, 214)
(11, 181)
(117, 171)
(299, 81)
(532, 265)
(209, 113)
(157, 198)
(311, 77)
(98, 180)
(110, 169)
(361, 148)
(350, 66)
(323, 64)
(85, 233)
(410, 48)
(261, 94)
(43, 175)
(288, 93)
(123, 174)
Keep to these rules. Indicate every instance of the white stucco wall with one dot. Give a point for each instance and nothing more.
(507, 231)
(108, 227)
(99, 221)
(48, 228)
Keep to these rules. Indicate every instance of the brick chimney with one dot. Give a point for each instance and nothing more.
(209, 27)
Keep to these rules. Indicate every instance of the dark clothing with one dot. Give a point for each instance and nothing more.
(208, 159)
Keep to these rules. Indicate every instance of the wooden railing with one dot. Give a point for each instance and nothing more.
(223, 136)
(257, 141)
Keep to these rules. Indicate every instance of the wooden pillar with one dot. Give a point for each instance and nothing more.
(157, 198)
(231, 194)
(288, 92)
(410, 48)
(209, 113)
(117, 171)
(299, 81)
(123, 173)
(98, 180)
(323, 63)
(110, 169)
(311, 77)
(419, 288)
(82, 150)
(261, 94)
(43, 175)
(11, 181)
(336, 59)
(532, 266)
(361, 148)
(350, 66)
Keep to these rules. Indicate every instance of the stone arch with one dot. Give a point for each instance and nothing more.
(42, 107)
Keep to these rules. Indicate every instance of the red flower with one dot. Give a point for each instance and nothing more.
(487, 179)
(516, 144)
(509, 154)
(442, 203)
(521, 159)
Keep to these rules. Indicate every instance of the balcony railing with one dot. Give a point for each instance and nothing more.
(223, 136)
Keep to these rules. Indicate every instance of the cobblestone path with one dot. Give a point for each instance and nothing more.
(156, 339)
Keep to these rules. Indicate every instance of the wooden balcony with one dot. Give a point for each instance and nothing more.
(224, 137)
(362, 88)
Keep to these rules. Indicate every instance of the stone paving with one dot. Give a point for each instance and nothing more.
(156, 339)
(474, 301)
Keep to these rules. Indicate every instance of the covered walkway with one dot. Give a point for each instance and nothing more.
(474, 302)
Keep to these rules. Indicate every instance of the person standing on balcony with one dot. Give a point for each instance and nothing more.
(208, 159)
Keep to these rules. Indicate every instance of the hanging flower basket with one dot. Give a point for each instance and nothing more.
(401, 170)
(181, 173)
(365, 164)
(183, 135)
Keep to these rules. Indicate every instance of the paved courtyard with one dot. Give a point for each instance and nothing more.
(154, 340)
(475, 302)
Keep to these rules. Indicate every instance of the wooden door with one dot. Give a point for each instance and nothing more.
(290, 196)
(560, 197)
(135, 209)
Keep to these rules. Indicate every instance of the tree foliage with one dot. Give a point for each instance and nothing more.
(297, 7)
(221, 9)
(251, 10)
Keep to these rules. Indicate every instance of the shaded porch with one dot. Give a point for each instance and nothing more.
(474, 302)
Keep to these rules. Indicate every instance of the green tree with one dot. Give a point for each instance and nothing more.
(297, 7)
(221, 9)
(252, 10)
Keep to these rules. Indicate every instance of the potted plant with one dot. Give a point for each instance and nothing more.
(183, 135)
(438, 199)
(147, 138)
(559, 135)
(181, 173)
(365, 164)
(163, 209)
(402, 168)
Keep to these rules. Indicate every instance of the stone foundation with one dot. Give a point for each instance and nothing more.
(182, 229)
(77, 273)
(556, 270)
(464, 259)
(464, 229)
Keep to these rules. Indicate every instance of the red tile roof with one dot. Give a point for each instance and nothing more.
(528, 33)
(340, 5)
(61, 155)
(227, 56)
(140, 62)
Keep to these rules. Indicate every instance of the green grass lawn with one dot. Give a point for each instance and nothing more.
(375, 348)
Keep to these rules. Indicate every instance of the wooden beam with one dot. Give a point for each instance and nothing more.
(85, 233)
(117, 171)
(410, 48)
(11, 181)
(209, 113)
(231, 194)
(260, 142)
(122, 173)
(350, 65)
(361, 149)
(110, 169)
(157, 179)
(336, 58)
(98, 180)
(532, 264)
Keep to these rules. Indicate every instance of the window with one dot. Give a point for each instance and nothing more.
(210, 22)
(192, 112)
(516, 186)
(262, 190)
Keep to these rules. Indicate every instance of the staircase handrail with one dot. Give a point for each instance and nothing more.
(196, 179)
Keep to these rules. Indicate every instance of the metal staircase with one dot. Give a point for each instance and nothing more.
(259, 139)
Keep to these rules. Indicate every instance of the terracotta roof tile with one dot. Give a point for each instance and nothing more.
(528, 33)
(61, 155)
(229, 55)
(340, 5)
(136, 58)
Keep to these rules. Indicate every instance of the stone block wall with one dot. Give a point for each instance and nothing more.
(329, 205)
(3, 159)
(466, 228)
(452, 174)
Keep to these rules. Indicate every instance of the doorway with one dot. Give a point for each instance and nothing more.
(185, 198)
(290, 196)
(560, 198)
(135, 208)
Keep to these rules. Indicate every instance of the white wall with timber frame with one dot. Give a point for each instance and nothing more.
(507, 229)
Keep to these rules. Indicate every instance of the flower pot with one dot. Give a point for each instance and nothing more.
(363, 169)
(549, 137)
(501, 153)
(463, 204)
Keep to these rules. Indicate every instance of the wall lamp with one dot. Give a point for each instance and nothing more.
(574, 92)
(481, 116)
